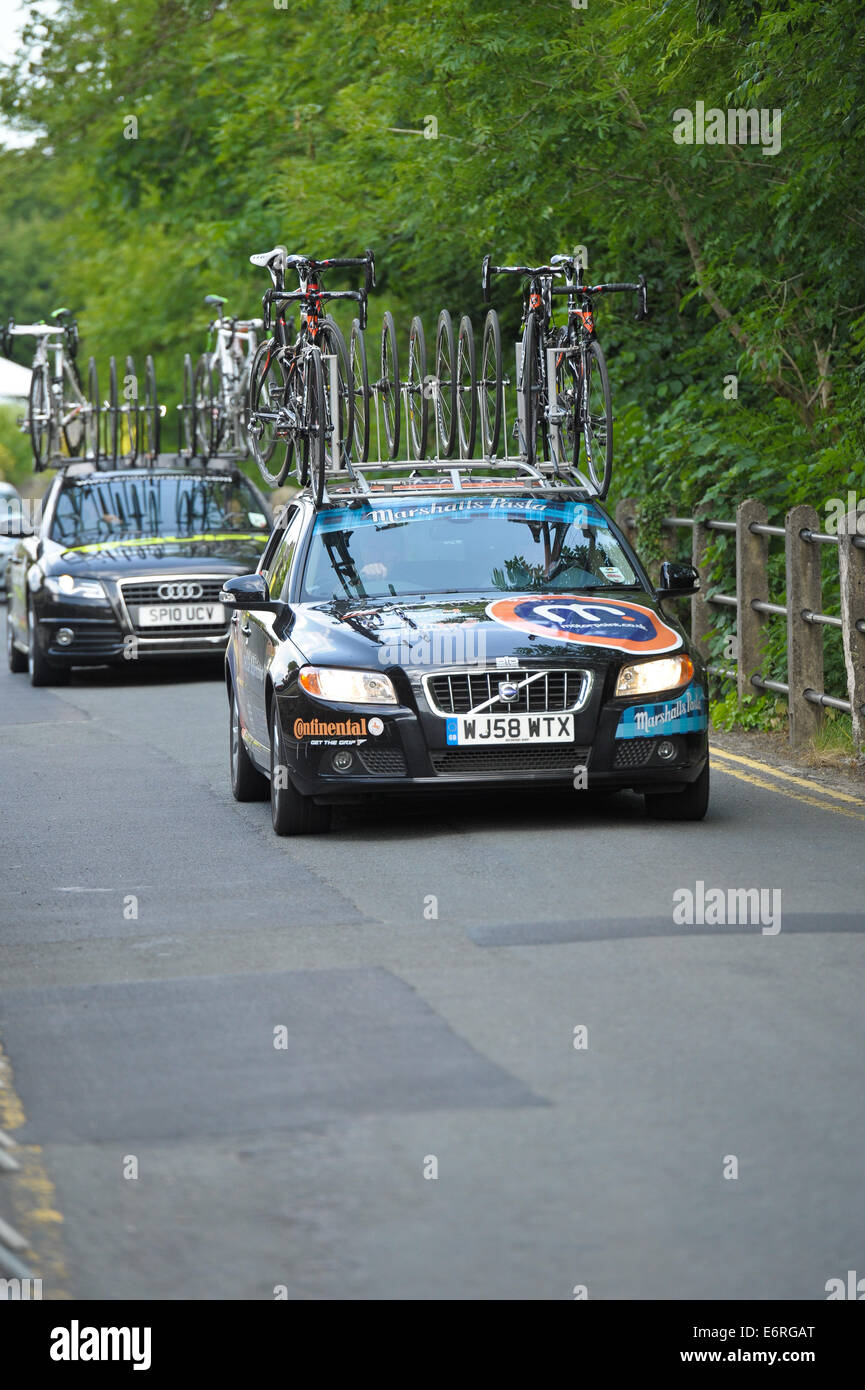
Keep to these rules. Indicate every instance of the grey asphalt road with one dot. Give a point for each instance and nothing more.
(286, 1038)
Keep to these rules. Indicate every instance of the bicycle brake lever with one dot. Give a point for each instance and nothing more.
(643, 309)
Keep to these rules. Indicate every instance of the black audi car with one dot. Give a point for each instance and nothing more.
(419, 642)
(128, 566)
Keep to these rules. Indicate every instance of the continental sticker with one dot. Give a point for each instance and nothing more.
(612, 623)
(353, 730)
(684, 715)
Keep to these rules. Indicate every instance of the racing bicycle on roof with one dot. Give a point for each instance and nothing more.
(574, 410)
(292, 421)
(62, 419)
(216, 396)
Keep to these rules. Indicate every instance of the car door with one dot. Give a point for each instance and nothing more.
(22, 560)
(257, 636)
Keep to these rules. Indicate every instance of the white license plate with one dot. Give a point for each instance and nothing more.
(510, 728)
(181, 615)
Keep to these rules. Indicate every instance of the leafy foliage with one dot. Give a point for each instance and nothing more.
(553, 127)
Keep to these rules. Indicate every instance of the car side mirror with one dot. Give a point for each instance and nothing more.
(249, 594)
(677, 580)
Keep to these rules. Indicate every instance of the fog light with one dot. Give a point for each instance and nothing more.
(667, 750)
(342, 761)
(64, 636)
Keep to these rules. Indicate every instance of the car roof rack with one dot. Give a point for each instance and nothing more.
(451, 477)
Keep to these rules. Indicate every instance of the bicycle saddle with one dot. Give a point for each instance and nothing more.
(215, 299)
(61, 313)
(276, 258)
(561, 260)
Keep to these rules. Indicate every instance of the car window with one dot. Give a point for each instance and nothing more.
(476, 544)
(279, 572)
(166, 506)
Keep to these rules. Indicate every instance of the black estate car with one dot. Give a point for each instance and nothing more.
(128, 565)
(415, 641)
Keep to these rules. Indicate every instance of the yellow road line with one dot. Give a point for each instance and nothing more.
(787, 776)
(32, 1196)
(786, 791)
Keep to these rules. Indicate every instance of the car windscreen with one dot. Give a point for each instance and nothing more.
(171, 506)
(470, 545)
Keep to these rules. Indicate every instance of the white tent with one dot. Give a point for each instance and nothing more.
(14, 382)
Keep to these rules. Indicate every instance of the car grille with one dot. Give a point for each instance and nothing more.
(553, 757)
(383, 762)
(459, 692)
(140, 592)
(632, 752)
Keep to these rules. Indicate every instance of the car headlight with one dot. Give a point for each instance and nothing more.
(348, 687)
(68, 586)
(648, 677)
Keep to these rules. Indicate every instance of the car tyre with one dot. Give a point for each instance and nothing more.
(691, 803)
(17, 660)
(247, 783)
(40, 669)
(292, 813)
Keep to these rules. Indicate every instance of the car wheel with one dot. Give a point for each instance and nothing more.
(247, 783)
(40, 669)
(292, 813)
(17, 660)
(691, 803)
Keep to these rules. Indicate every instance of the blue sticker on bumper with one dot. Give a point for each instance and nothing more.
(686, 714)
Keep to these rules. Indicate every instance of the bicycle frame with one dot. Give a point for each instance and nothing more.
(234, 344)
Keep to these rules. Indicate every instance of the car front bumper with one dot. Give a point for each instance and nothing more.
(410, 753)
(101, 635)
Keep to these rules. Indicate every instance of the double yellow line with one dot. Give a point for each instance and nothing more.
(747, 770)
(32, 1195)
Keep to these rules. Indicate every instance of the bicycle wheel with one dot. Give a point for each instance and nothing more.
(149, 420)
(532, 392)
(112, 414)
(216, 416)
(446, 395)
(267, 397)
(568, 394)
(360, 381)
(491, 385)
(73, 409)
(332, 344)
(467, 395)
(201, 408)
(91, 419)
(315, 416)
(39, 417)
(596, 420)
(418, 400)
(129, 425)
(187, 410)
(389, 385)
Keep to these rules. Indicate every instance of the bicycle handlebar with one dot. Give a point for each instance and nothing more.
(611, 287)
(275, 296)
(339, 262)
(293, 296)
